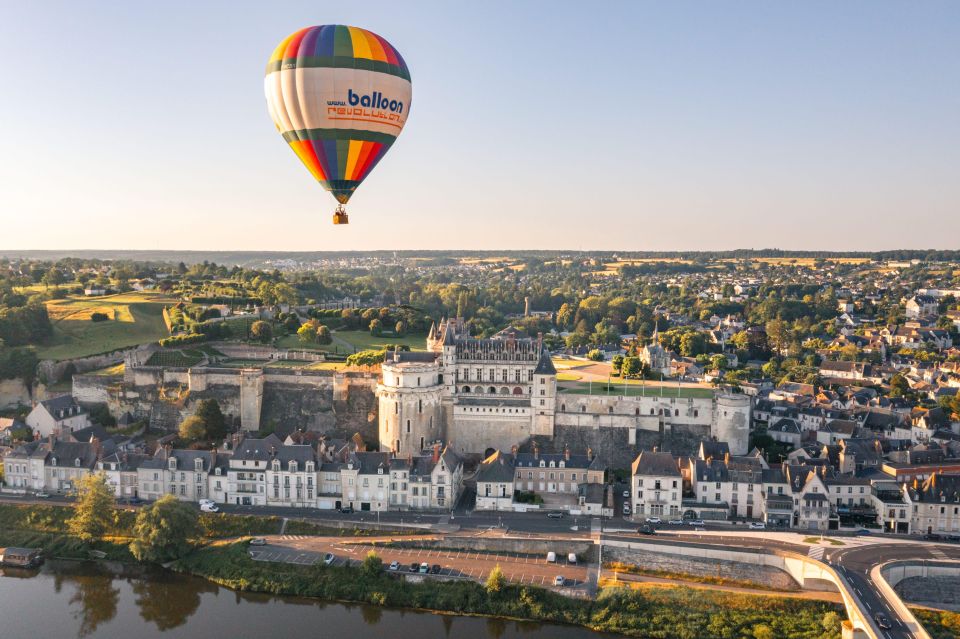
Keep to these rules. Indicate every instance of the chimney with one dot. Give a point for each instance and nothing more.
(566, 453)
(590, 454)
(436, 452)
(96, 444)
(50, 440)
(213, 457)
(513, 450)
(536, 450)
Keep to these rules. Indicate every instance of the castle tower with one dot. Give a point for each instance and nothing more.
(731, 422)
(544, 395)
(409, 396)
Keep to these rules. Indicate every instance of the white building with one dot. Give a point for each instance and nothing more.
(657, 485)
(57, 416)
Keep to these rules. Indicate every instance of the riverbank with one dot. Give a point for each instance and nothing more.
(664, 613)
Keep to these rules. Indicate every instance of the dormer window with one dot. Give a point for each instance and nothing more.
(53, 461)
(217, 471)
(310, 467)
(198, 465)
(563, 464)
(552, 464)
(276, 466)
(293, 467)
(542, 463)
(380, 471)
(172, 464)
(76, 462)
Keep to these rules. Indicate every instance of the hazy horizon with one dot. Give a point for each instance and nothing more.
(622, 127)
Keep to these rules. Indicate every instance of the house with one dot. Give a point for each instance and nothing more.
(921, 306)
(836, 430)
(495, 482)
(934, 504)
(7, 427)
(247, 471)
(657, 485)
(57, 416)
(786, 431)
(560, 473)
(94, 290)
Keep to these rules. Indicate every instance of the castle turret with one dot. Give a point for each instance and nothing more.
(731, 422)
(409, 396)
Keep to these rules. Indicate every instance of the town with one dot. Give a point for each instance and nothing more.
(662, 395)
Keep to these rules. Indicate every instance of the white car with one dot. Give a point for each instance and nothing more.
(394, 565)
(206, 501)
(626, 509)
(209, 508)
(654, 520)
(626, 494)
(328, 558)
(757, 525)
(559, 580)
(676, 522)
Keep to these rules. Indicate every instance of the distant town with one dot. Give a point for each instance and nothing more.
(631, 400)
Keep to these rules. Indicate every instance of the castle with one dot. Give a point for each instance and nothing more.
(494, 393)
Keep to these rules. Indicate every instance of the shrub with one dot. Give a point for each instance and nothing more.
(98, 317)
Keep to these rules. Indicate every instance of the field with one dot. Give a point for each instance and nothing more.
(635, 389)
(135, 318)
(347, 342)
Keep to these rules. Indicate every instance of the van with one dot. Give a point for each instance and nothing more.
(572, 558)
(551, 557)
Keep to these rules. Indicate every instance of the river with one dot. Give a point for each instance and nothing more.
(72, 599)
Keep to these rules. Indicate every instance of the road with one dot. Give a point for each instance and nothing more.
(854, 560)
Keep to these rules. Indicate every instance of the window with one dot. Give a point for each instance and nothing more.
(408, 426)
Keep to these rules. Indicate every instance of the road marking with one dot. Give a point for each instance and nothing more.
(816, 552)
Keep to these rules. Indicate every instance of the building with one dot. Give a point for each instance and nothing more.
(934, 504)
(656, 485)
(921, 306)
(556, 473)
(495, 482)
(57, 416)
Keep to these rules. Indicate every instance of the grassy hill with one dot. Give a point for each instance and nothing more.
(135, 318)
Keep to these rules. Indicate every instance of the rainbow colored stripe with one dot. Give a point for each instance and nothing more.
(340, 165)
(338, 45)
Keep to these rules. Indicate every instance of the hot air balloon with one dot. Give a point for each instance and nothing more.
(340, 96)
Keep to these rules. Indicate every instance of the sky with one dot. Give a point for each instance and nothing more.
(541, 125)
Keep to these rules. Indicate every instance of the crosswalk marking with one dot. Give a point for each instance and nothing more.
(292, 537)
(939, 554)
(816, 552)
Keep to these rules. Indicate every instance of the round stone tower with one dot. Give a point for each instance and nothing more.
(731, 422)
(409, 392)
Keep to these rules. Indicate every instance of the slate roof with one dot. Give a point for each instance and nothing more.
(498, 467)
(656, 464)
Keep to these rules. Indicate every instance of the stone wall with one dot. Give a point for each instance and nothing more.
(702, 567)
(584, 549)
(618, 447)
(939, 592)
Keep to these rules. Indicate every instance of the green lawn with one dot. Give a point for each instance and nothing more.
(136, 318)
(347, 342)
(651, 389)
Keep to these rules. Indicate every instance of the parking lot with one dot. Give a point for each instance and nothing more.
(461, 564)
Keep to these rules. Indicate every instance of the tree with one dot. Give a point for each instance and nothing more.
(616, 362)
(323, 335)
(831, 623)
(719, 362)
(214, 422)
(307, 333)
(496, 581)
(692, 344)
(400, 329)
(372, 565)
(261, 331)
(93, 513)
(376, 328)
(192, 429)
(163, 530)
(763, 631)
(595, 355)
(631, 366)
(899, 386)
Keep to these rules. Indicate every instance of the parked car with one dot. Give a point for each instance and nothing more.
(42, 495)
(757, 525)
(932, 537)
(559, 580)
(328, 558)
(626, 494)
(347, 510)
(206, 501)
(646, 529)
(414, 567)
(394, 565)
(209, 508)
(258, 541)
(655, 520)
(882, 621)
(435, 569)
(555, 515)
(551, 557)
(572, 558)
(675, 522)
(863, 531)
(953, 538)
(424, 568)
(696, 522)
(626, 509)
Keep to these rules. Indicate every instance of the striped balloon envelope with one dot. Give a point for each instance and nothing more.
(340, 96)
